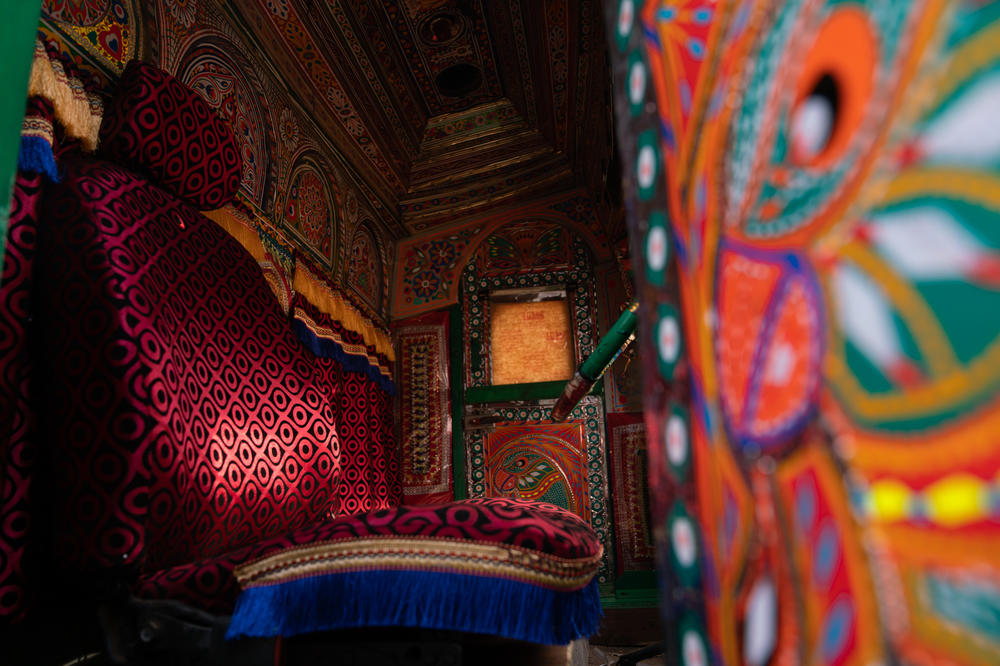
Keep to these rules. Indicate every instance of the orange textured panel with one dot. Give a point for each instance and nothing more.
(530, 342)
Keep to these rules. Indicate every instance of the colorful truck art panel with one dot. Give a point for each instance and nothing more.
(543, 463)
(425, 408)
(524, 454)
(826, 174)
(629, 455)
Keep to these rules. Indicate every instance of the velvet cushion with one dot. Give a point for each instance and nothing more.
(18, 444)
(517, 526)
(519, 569)
(182, 416)
(159, 127)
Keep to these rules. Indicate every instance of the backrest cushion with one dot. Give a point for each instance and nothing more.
(183, 417)
(159, 127)
(18, 439)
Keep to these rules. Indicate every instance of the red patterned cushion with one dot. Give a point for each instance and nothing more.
(182, 416)
(18, 446)
(529, 526)
(158, 126)
(523, 570)
(368, 450)
(548, 533)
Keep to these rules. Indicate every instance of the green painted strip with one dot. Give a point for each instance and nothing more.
(971, 604)
(17, 37)
(617, 600)
(457, 375)
(512, 392)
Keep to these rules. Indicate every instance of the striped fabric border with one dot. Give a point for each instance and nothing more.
(325, 341)
(453, 556)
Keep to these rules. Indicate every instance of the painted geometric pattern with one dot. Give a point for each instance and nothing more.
(429, 268)
(526, 246)
(307, 210)
(473, 119)
(476, 307)
(100, 35)
(834, 216)
(630, 491)
(289, 29)
(364, 268)
(422, 348)
(562, 462)
(430, 264)
(469, 43)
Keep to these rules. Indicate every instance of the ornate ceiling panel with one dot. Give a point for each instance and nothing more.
(449, 51)
(304, 61)
(450, 106)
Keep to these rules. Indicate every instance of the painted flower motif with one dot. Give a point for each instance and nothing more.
(426, 284)
(839, 260)
(288, 130)
(351, 206)
(308, 211)
(183, 11)
(77, 12)
(442, 254)
(363, 268)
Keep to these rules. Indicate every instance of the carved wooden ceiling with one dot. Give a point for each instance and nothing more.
(449, 107)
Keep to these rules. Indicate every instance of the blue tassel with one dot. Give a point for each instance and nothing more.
(351, 362)
(431, 600)
(36, 156)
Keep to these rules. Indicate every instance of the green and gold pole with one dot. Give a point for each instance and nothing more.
(608, 349)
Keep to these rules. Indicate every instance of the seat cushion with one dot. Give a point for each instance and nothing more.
(159, 127)
(209, 583)
(522, 570)
(527, 527)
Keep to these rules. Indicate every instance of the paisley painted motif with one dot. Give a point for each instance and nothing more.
(831, 175)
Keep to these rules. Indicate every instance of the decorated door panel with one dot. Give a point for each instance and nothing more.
(422, 353)
(529, 316)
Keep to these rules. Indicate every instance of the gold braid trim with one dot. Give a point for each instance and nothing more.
(78, 111)
(380, 553)
(330, 303)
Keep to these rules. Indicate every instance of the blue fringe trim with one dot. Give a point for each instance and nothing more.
(351, 362)
(431, 600)
(36, 156)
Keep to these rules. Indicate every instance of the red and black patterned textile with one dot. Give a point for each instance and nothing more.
(158, 126)
(183, 418)
(369, 457)
(388, 471)
(18, 447)
(210, 584)
(546, 528)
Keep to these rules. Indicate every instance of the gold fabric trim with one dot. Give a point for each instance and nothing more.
(352, 349)
(422, 554)
(78, 111)
(330, 303)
